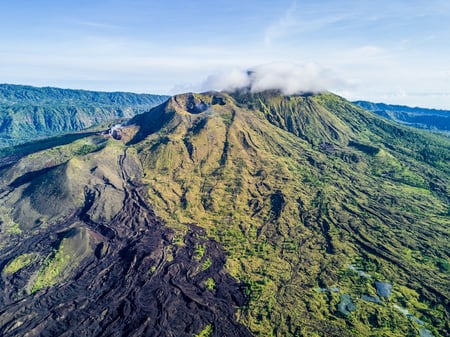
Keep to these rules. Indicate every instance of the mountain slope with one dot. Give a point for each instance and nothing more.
(231, 214)
(432, 119)
(27, 113)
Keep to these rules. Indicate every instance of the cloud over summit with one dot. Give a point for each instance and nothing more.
(289, 78)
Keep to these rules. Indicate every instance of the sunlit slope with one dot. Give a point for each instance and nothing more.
(296, 189)
(231, 215)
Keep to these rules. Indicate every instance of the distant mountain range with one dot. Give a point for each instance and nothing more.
(28, 113)
(431, 119)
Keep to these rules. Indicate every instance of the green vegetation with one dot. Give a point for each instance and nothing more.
(14, 229)
(85, 149)
(295, 204)
(295, 189)
(210, 284)
(433, 119)
(206, 332)
(58, 265)
(199, 252)
(206, 264)
(52, 268)
(19, 262)
(28, 113)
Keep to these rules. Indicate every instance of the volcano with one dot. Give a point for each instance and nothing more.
(229, 214)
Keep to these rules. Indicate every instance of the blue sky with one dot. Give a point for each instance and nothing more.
(393, 51)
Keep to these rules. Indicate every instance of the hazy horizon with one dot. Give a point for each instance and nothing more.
(391, 52)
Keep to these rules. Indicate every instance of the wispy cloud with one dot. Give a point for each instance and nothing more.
(289, 78)
(93, 24)
(298, 21)
(282, 26)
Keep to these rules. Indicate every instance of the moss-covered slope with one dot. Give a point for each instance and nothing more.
(283, 216)
(299, 188)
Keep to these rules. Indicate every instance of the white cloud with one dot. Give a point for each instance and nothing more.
(93, 24)
(369, 51)
(227, 81)
(289, 78)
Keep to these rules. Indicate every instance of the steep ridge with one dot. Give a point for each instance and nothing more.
(28, 113)
(282, 216)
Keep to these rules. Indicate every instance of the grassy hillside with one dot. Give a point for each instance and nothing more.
(231, 215)
(28, 113)
(297, 189)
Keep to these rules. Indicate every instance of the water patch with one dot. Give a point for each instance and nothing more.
(402, 310)
(346, 306)
(410, 316)
(415, 319)
(425, 333)
(373, 299)
(327, 290)
(384, 289)
(359, 271)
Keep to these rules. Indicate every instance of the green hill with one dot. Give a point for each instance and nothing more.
(230, 215)
(28, 113)
(432, 119)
